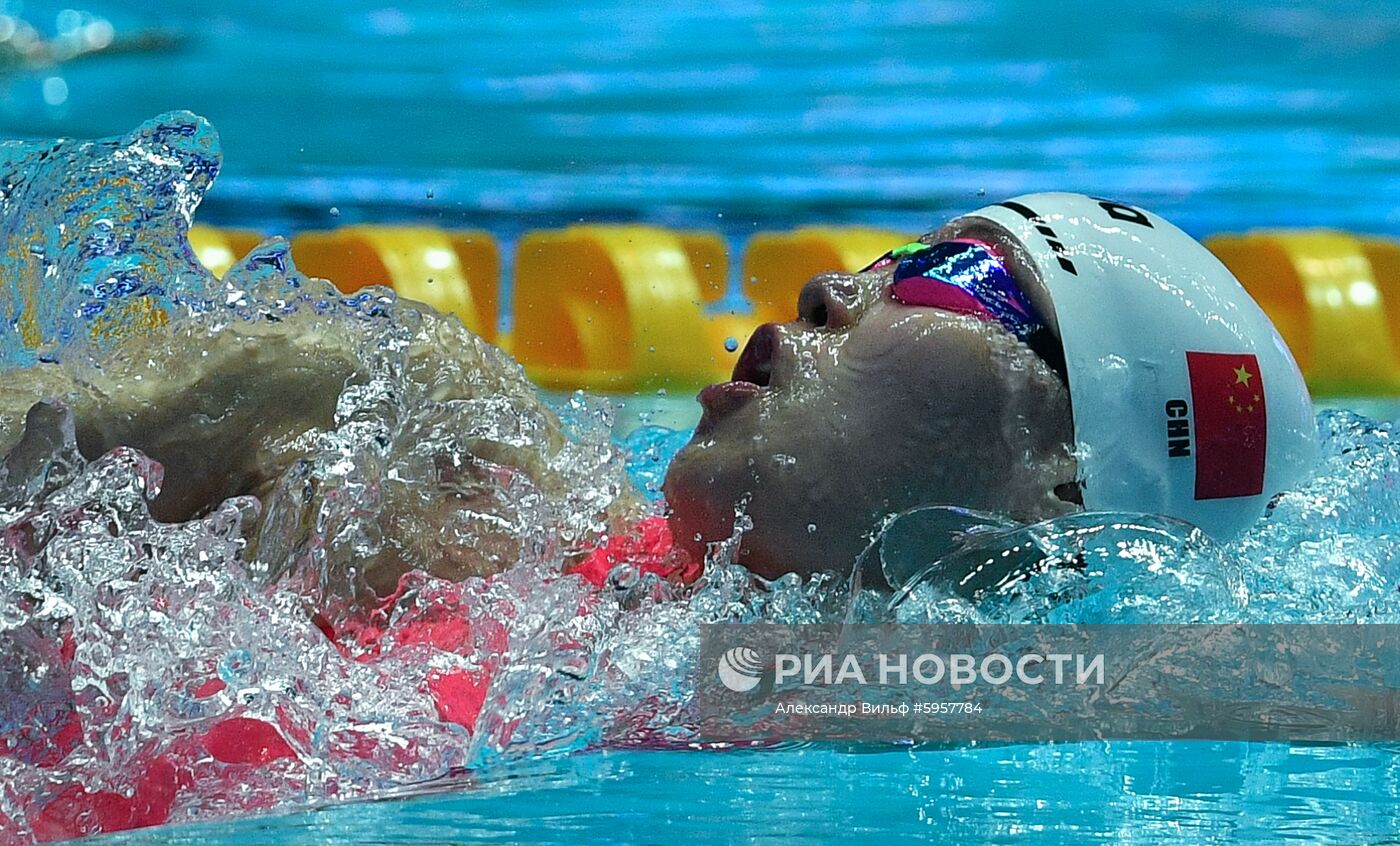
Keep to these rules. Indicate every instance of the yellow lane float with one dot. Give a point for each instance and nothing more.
(620, 308)
(217, 249)
(457, 272)
(1334, 297)
(709, 260)
(778, 264)
(626, 308)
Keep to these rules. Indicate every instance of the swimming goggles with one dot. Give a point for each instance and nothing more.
(970, 277)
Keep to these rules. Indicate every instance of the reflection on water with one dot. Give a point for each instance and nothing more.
(1216, 116)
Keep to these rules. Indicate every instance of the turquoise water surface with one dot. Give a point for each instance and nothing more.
(736, 113)
(1188, 792)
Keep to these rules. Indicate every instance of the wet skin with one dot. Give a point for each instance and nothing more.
(863, 407)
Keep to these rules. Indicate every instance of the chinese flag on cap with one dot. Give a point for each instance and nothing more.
(1231, 423)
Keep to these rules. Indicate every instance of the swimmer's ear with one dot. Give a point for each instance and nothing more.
(1071, 492)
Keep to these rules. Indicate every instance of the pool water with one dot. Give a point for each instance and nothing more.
(1120, 793)
(743, 115)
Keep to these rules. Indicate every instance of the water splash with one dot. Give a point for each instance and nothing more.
(651, 449)
(94, 233)
(141, 647)
(1324, 553)
(176, 649)
(175, 669)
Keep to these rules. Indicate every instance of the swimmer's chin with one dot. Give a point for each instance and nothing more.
(702, 515)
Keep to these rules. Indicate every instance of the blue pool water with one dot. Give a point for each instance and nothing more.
(739, 115)
(1139, 793)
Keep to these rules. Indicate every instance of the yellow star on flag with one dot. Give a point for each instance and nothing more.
(1242, 375)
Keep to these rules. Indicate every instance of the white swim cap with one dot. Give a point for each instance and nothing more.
(1186, 401)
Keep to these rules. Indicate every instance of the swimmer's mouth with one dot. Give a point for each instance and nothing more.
(752, 373)
(755, 364)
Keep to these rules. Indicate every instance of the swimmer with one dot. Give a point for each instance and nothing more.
(1033, 358)
(1036, 357)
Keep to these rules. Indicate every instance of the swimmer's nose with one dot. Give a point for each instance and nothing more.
(829, 301)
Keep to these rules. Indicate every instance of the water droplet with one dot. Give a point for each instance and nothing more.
(811, 528)
(981, 192)
(651, 349)
(661, 392)
(335, 212)
(430, 193)
(55, 91)
(731, 344)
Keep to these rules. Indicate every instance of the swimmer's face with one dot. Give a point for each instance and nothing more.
(866, 406)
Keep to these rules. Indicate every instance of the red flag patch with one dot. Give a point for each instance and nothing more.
(1231, 423)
